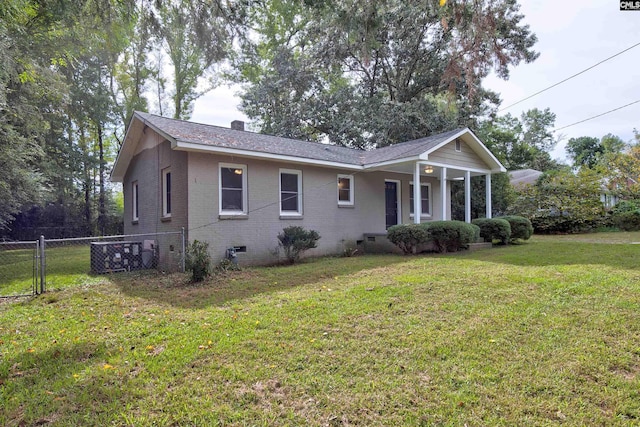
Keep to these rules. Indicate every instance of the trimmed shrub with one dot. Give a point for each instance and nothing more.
(627, 221)
(521, 227)
(494, 229)
(197, 260)
(295, 240)
(451, 236)
(407, 237)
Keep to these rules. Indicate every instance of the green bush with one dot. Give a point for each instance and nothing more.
(451, 236)
(625, 206)
(627, 221)
(494, 229)
(521, 227)
(407, 237)
(198, 260)
(295, 240)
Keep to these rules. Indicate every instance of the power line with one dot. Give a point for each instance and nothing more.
(569, 78)
(596, 116)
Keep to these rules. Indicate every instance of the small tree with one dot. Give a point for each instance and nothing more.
(198, 260)
(295, 240)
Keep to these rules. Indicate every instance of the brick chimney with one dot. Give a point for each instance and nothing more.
(237, 125)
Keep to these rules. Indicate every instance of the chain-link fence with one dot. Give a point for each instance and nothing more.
(27, 268)
(19, 268)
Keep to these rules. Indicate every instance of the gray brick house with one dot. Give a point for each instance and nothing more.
(234, 188)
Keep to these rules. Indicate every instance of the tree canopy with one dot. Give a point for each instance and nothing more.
(373, 74)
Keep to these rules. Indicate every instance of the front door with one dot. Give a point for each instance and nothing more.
(391, 202)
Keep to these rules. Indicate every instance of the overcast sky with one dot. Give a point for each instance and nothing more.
(572, 36)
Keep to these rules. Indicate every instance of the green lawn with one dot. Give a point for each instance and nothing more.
(543, 333)
(66, 266)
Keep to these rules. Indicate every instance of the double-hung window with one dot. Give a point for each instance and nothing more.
(135, 212)
(233, 189)
(290, 192)
(425, 202)
(345, 190)
(166, 192)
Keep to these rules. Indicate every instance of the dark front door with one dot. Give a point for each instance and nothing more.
(391, 202)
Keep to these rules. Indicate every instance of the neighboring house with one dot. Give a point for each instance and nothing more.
(234, 188)
(523, 177)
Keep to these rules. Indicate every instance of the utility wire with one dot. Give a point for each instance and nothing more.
(596, 116)
(569, 78)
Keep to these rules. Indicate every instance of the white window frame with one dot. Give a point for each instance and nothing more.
(135, 204)
(429, 205)
(298, 173)
(458, 145)
(351, 190)
(244, 189)
(166, 213)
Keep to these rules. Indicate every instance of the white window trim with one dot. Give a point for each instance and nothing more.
(430, 206)
(457, 145)
(351, 190)
(166, 171)
(244, 189)
(135, 203)
(298, 173)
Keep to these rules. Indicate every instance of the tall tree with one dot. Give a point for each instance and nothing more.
(372, 74)
(523, 142)
(196, 36)
(585, 151)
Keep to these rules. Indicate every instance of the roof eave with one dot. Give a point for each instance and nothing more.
(204, 148)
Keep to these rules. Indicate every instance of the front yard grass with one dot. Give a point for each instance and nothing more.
(543, 333)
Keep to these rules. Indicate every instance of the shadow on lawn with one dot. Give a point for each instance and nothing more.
(61, 382)
(176, 290)
(549, 253)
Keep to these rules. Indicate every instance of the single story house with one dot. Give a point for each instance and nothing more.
(234, 188)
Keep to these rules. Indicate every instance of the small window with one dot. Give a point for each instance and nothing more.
(233, 185)
(345, 190)
(425, 189)
(458, 145)
(134, 201)
(166, 192)
(290, 192)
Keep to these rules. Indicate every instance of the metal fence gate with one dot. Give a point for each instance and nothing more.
(20, 269)
(29, 268)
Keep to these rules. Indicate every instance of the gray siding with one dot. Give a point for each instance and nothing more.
(338, 226)
(146, 167)
(465, 158)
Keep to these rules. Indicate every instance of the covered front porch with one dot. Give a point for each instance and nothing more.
(435, 164)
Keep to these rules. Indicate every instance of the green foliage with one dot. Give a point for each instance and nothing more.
(627, 221)
(494, 229)
(521, 227)
(626, 206)
(408, 236)
(452, 236)
(198, 260)
(521, 143)
(365, 75)
(626, 215)
(295, 240)
(227, 265)
(502, 196)
(584, 151)
(562, 202)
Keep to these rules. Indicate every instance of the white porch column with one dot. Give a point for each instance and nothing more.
(443, 192)
(488, 194)
(467, 196)
(417, 195)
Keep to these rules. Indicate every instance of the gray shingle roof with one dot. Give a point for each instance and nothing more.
(209, 135)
